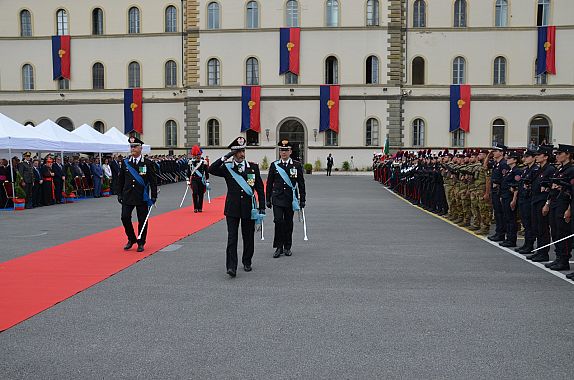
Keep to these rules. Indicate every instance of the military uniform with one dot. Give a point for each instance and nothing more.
(525, 204)
(27, 172)
(499, 170)
(508, 196)
(131, 194)
(280, 197)
(198, 175)
(239, 206)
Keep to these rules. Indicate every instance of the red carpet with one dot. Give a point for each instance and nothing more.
(33, 283)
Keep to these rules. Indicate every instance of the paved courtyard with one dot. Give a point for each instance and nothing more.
(380, 290)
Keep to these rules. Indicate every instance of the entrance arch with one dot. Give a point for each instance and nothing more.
(294, 130)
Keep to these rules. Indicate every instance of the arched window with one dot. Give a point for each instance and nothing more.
(458, 137)
(63, 84)
(134, 77)
(459, 71)
(170, 74)
(501, 14)
(213, 15)
(213, 72)
(418, 71)
(418, 132)
(213, 133)
(252, 137)
(331, 138)
(133, 20)
(372, 132)
(291, 78)
(540, 130)
(460, 13)
(27, 77)
(29, 124)
(372, 12)
(540, 78)
(499, 70)
(372, 70)
(543, 13)
(332, 16)
(252, 14)
(25, 23)
(170, 133)
(98, 76)
(498, 127)
(62, 22)
(252, 72)
(331, 70)
(419, 14)
(65, 123)
(292, 13)
(97, 21)
(170, 19)
(99, 126)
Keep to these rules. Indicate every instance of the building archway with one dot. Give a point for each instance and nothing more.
(292, 129)
(65, 123)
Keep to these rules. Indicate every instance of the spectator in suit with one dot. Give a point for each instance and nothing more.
(97, 175)
(59, 178)
(26, 170)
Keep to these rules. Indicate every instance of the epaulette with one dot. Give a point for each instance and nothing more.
(253, 163)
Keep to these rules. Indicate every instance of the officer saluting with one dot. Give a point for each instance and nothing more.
(243, 180)
(285, 183)
(137, 188)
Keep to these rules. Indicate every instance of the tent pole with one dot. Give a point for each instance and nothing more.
(12, 177)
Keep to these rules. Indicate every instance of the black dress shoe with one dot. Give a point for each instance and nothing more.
(231, 272)
(195, 210)
(277, 253)
(570, 276)
(496, 238)
(548, 265)
(508, 244)
(247, 268)
(129, 245)
(288, 252)
(200, 210)
(140, 248)
(538, 258)
(560, 265)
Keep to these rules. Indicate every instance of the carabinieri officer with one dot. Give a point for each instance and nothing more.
(243, 180)
(137, 188)
(285, 183)
(197, 177)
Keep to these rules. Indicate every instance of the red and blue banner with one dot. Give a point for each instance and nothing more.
(329, 100)
(546, 57)
(61, 57)
(289, 44)
(250, 108)
(460, 108)
(133, 120)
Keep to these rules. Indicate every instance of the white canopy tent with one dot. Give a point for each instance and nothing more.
(121, 138)
(15, 137)
(100, 142)
(69, 141)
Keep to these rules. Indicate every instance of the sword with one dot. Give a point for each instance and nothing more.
(262, 237)
(145, 223)
(304, 225)
(554, 242)
(184, 195)
(208, 195)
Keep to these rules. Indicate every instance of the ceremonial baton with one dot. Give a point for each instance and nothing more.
(184, 195)
(208, 196)
(304, 225)
(554, 242)
(147, 217)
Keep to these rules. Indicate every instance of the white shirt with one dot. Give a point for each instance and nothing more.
(135, 160)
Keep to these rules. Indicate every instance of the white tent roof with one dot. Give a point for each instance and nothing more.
(101, 142)
(121, 138)
(14, 136)
(69, 141)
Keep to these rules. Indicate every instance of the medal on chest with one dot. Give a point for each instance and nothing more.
(142, 170)
(293, 172)
(251, 179)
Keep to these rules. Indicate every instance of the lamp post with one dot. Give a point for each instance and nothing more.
(315, 134)
(267, 134)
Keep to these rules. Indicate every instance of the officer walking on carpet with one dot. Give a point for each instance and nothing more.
(197, 178)
(285, 194)
(136, 188)
(243, 180)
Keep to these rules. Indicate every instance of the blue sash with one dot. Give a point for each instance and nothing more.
(287, 181)
(200, 176)
(141, 181)
(248, 190)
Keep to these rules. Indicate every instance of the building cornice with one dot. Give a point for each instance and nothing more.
(303, 29)
(483, 29)
(94, 37)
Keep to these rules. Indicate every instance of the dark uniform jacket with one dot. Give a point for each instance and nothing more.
(26, 171)
(58, 172)
(237, 203)
(542, 179)
(129, 188)
(525, 183)
(278, 192)
(510, 180)
(499, 170)
(561, 198)
(203, 169)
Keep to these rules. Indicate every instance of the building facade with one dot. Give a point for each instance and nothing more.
(114, 45)
(393, 59)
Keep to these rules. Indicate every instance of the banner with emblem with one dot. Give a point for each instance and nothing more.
(61, 62)
(250, 108)
(289, 41)
(546, 57)
(460, 108)
(329, 100)
(133, 120)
